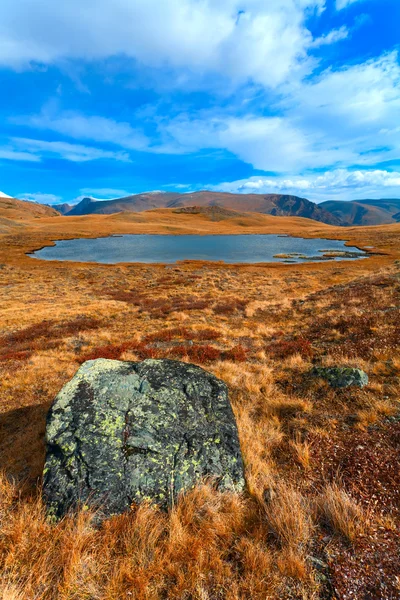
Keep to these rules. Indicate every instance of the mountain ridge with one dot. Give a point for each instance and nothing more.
(383, 211)
(272, 204)
(345, 213)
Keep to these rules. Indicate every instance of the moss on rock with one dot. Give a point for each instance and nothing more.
(123, 432)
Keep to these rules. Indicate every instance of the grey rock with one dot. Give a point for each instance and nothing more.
(341, 377)
(120, 433)
(317, 563)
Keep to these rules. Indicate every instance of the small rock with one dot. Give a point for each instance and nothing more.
(341, 377)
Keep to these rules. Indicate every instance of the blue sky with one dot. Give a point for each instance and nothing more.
(106, 98)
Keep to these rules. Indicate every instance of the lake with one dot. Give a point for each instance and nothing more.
(172, 248)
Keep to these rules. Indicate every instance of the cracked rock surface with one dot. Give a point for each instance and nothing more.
(122, 432)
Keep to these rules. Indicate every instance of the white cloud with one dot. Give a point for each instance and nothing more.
(342, 118)
(353, 111)
(340, 4)
(339, 119)
(94, 128)
(263, 41)
(64, 150)
(332, 37)
(337, 184)
(362, 94)
(267, 143)
(40, 197)
(11, 154)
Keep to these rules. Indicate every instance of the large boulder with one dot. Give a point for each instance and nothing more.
(120, 432)
(341, 377)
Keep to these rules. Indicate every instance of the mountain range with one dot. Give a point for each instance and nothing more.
(271, 204)
(333, 212)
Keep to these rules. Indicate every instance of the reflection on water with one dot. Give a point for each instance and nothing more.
(171, 248)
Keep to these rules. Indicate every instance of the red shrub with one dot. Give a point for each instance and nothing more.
(22, 355)
(45, 335)
(166, 335)
(283, 349)
(31, 333)
(51, 329)
(230, 306)
(236, 354)
(110, 351)
(201, 354)
(130, 296)
(207, 334)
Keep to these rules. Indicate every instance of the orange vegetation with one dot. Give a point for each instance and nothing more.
(321, 511)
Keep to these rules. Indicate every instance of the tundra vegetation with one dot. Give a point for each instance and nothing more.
(320, 515)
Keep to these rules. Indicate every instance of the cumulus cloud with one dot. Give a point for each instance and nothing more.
(361, 94)
(266, 42)
(328, 121)
(340, 118)
(40, 197)
(337, 184)
(267, 143)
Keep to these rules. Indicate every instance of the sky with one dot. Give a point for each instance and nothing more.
(107, 98)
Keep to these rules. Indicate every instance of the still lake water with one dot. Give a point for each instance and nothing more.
(173, 248)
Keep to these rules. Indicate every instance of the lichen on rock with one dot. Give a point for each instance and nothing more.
(341, 377)
(119, 433)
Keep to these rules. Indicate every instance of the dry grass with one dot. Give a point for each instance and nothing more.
(288, 517)
(341, 513)
(260, 329)
(207, 547)
(301, 451)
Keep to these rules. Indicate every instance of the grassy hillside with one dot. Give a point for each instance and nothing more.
(21, 209)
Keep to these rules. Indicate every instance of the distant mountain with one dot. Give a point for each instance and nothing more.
(364, 212)
(271, 204)
(61, 208)
(3, 195)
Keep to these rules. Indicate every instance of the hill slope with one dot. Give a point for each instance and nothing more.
(272, 204)
(24, 210)
(364, 212)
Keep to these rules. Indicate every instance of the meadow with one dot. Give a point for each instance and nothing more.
(321, 513)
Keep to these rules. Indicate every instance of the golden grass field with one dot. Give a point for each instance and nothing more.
(320, 518)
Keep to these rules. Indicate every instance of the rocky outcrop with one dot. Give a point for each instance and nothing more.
(341, 377)
(121, 432)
